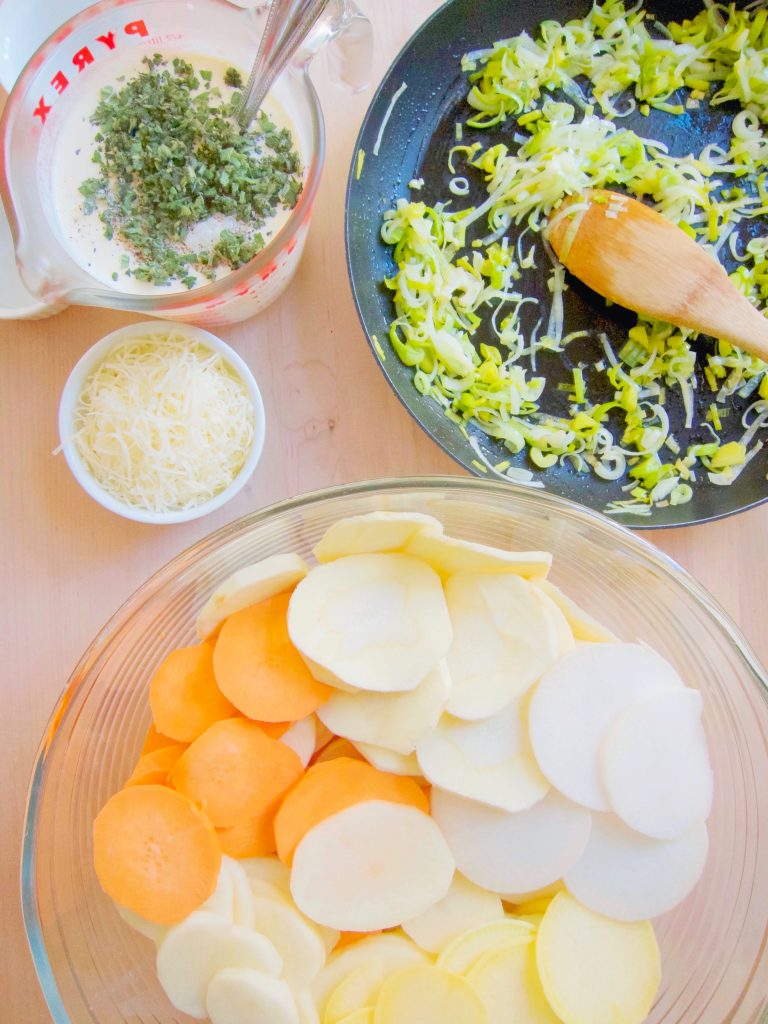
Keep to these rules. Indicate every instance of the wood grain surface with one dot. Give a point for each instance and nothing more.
(66, 564)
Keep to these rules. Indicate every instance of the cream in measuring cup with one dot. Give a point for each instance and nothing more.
(49, 109)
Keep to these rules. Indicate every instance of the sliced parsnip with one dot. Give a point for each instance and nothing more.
(449, 555)
(150, 930)
(505, 635)
(655, 765)
(463, 907)
(391, 720)
(428, 995)
(630, 877)
(583, 625)
(489, 760)
(467, 949)
(371, 866)
(203, 944)
(241, 995)
(512, 852)
(248, 586)
(392, 950)
(372, 533)
(576, 703)
(295, 939)
(374, 622)
(301, 738)
(388, 760)
(268, 869)
(594, 970)
(507, 981)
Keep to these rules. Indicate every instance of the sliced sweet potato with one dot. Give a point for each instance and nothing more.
(156, 768)
(183, 694)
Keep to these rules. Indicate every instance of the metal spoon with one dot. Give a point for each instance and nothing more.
(288, 24)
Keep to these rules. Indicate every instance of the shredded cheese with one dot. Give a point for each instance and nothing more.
(164, 423)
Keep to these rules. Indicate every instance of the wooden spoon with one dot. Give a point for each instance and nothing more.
(630, 254)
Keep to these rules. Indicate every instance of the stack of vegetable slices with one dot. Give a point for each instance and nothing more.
(413, 783)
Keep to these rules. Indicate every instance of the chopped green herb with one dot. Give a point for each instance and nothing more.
(233, 78)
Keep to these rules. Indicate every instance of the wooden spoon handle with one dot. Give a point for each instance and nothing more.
(630, 254)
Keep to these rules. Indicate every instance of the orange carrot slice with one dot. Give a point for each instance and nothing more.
(235, 772)
(155, 740)
(183, 694)
(332, 786)
(338, 747)
(254, 838)
(155, 853)
(258, 668)
(274, 729)
(155, 768)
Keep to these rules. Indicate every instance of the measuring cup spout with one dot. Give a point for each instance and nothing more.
(347, 35)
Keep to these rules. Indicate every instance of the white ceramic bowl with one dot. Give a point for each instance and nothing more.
(74, 386)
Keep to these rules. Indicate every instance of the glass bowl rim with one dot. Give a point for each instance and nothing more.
(659, 559)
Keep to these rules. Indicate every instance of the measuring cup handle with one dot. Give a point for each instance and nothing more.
(348, 36)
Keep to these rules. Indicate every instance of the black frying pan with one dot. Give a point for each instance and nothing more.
(415, 144)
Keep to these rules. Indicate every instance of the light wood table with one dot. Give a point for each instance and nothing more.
(66, 564)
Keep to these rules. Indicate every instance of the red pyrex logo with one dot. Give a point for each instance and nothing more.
(84, 57)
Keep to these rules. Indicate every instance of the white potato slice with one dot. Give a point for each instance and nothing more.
(268, 869)
(464, 906)
(392, 950)
(449, 555)
(248, 586)
(428, 995)
(282, 895)
(392, 720)
(505, 636)
(593, 970)
(150, 930)
(375, 622)
(242, 897)
(467, 949)
(655, 765)
(295, 939)
(301, 738)
(241, 995)
(630, 877)
(489, 760)
(222, 899)
(364, 1016)
(583, 625)
(371, 866)
(576, 703)
(357, 991)
(305, 1004)
(389, 761)
(374, 532)
(203, 944)
(507, 981)
(512, 852)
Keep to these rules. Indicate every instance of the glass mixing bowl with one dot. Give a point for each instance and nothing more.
(96, 970)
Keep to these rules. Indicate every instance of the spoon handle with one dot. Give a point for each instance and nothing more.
(288, 23)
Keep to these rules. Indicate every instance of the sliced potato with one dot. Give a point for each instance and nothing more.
(583, 625)
(507, 981)
(467, 949)
(655, 765)
(357, 991)
(242, 896)
(295, 939)
(392, 950)
(364, 1016)
(576, 703)
(203, 944)
(371, 866)
(268, 869)
(512, 852)
(391, 720)
(629, 876)
(594, 970)
(374, 532)
(428, 995)
(248, 586)
(150, 930)
(301, 738)
(449, 555)
(305, 1004)
(390, 761)
(505, 636)
(241, 995)
(463, 907)
(489, 760)
(374, 622)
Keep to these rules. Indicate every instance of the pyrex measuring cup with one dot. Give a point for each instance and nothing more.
(73, 59)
